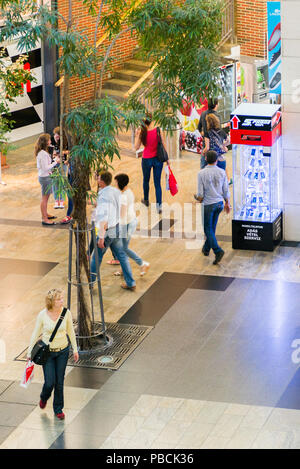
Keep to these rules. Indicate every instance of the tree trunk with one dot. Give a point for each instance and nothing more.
(81, 185)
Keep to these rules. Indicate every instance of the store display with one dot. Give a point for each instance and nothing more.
(256, 152)
(189, 115)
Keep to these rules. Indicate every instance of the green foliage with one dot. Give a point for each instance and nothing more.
(94, 128)
(182, 40)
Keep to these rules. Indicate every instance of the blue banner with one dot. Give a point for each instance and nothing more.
(274, 47)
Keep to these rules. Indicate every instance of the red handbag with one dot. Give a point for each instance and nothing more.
(172, 183)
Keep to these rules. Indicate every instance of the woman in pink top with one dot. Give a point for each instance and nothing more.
(147, 135)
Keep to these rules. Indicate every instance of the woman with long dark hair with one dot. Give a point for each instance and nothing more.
(44, 165)
(148, 136)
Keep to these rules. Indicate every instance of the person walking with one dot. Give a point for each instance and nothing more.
(44, 165)
(216, 139)
(212, 191)
(128, 221)
(148, 135)
(213, 105)
(54, 369)
(107, 223)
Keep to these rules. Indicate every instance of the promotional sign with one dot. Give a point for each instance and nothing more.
(274, 47)
(255, 124)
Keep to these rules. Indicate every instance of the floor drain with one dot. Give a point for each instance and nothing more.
(123, 340)
(105, 359)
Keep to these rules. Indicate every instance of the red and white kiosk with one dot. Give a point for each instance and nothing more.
(257, 173)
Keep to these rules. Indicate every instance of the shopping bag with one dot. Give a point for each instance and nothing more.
(172, 183)
(167, 178)
(28, 374)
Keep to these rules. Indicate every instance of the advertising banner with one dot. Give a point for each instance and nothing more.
(274, 47)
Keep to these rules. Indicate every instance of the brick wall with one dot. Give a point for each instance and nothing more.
(82, 90)
(251, 27)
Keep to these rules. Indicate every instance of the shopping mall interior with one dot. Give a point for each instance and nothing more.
(207, 354)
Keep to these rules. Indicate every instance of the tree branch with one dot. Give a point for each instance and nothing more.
(95, 42)
(109, 49)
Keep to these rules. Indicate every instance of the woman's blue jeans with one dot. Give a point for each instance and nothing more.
(126, 231)
(147, 165)
(54, 375)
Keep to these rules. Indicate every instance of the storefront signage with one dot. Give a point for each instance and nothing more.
(274, 47)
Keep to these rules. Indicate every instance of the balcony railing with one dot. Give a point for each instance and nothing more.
(228, 22)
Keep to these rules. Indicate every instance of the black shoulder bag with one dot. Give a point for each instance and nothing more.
(161, 154)
(40, 352)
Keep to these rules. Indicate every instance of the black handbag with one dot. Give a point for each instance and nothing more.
(161, 154)
(41, 351)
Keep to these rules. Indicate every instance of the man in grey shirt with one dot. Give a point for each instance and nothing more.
(212, 191)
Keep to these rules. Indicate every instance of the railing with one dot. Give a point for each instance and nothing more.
(228, 23)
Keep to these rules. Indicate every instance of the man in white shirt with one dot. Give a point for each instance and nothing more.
(107, 221)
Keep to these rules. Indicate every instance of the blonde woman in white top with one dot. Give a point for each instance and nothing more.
(45, 165)
(54, 369)
(128, 221)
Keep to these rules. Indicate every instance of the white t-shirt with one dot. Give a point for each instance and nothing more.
(127, 200)
(44, 165)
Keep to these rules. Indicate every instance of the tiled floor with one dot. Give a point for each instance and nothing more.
(216, 371)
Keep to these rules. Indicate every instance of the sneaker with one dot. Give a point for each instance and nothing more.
(275, 81)
(144, 268)
(219, 256)
(56, 205)
(66, 220)
(126, 287)
(145, 202)
(275, 37)
(205, 253)
(61, 205)
(43, 404)
(60, 416)
(275, 59)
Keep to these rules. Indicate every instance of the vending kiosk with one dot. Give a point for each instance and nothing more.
(257, 172)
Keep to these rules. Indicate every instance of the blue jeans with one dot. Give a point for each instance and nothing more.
(113, 240)
(147, 165)
(203, 162)
(54, 375)
(126, 232)
(211, 216)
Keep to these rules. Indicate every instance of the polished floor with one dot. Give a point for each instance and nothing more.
(218, 370)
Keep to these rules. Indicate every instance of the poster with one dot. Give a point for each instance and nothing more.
(274, 47)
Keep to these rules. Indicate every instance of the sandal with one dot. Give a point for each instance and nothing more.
(47, 224)
(113, 262)
(51, 217)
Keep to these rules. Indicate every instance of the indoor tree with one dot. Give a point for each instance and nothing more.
(179, 38)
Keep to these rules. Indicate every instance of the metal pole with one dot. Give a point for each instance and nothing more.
(99, 281)
(89, 279)
(70, 265)
(77, 272)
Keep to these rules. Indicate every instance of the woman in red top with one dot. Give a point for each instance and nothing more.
(147, 135)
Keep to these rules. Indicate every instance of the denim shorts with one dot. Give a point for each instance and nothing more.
(46, 185)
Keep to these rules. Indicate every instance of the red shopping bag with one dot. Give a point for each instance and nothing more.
(28, 374)
(172, 183)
